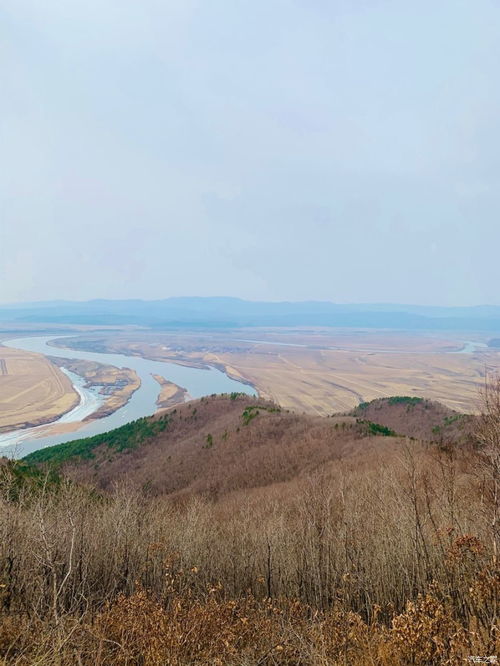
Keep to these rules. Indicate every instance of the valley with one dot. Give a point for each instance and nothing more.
(342, 495)
(249, 333)
(129, 389)
(320, 371)
(130, 373)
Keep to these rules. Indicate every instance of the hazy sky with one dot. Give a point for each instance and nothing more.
(270, 149)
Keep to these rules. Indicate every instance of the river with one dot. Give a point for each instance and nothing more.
(198, 382)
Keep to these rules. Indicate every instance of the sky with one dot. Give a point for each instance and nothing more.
(342, 150)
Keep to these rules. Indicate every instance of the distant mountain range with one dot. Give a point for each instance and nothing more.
(221, 312)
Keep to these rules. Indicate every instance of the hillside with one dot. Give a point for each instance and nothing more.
(418, 418)
(214, 445)
(227, 443)
(233, 532)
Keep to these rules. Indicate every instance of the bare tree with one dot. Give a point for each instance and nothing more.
(488, 438)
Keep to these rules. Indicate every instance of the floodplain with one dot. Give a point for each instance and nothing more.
(321, 371)
(33, 391)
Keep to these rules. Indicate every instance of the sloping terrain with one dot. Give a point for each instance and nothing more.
(230, 528)
(221, 444)
(417, 418)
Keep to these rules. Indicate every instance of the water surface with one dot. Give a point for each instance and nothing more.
(198, 382)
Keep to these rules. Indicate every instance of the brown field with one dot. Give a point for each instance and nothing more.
(32, 390)
(323, 382)
(320, 371)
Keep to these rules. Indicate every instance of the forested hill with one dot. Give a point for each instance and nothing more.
(231, 442)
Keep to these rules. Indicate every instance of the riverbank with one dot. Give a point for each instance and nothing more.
(158, 353)
(33, 391)
(117, 385)
(142, 401)
(170, 393)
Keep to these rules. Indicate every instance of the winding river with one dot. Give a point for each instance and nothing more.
(198, 382)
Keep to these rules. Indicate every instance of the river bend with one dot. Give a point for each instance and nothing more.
(198, 382)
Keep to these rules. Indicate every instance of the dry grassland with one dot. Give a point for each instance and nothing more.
(32, 390)
(323, 381)
(320, 371)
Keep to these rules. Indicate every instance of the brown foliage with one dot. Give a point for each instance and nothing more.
(421, 419)
(273, 446)
(381, 553)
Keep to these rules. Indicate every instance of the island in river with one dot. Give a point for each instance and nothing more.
(117, 384)
(171, 394)
(142, 402)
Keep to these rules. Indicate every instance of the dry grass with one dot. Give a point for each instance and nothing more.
(323, 381)
(317, 379)
(390, 559)
(32, 390)
(387, 563)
